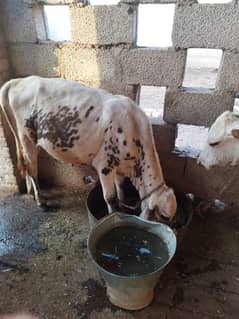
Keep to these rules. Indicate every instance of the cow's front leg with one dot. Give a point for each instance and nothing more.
(109, 191)
(119, 181)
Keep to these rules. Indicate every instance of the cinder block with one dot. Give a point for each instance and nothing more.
(196, 106)
(164, 136)
(103, 25)
(149, 1)
(96, 67)
(228, 73)
(18, 22)
(32, 2)
(159, 67)
(206, 25)
(4, 66)
(116, 88)
(39, 59)
(88, 64)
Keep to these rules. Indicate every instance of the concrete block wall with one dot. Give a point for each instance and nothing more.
(103, 53)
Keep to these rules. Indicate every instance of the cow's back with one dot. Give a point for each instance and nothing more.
(67, 119)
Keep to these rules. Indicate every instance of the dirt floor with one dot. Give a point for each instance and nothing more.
(45, 268)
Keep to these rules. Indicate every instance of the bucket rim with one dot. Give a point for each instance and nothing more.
(153, 223)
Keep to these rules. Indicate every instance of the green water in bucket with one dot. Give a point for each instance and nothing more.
(130, 251)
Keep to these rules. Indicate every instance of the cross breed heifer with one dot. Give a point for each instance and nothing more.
(222, 147)
(78, 124)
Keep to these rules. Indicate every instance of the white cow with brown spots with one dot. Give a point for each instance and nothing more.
(78, 124)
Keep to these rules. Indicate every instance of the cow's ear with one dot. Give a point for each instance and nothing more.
(235, 133)
(216, 132)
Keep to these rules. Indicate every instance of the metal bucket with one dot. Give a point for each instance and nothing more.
(97, 208)
(130, 292)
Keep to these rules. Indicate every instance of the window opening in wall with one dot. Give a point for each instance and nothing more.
(155, 25)
(151, 100)
(214, 1)
(236, 103)
(191, 139)
(57, 20)
(202, 67)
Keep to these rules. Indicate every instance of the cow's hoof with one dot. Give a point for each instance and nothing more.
(44, 207)
(49, 207)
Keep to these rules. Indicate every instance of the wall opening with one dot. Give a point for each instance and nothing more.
(202, 67)
(155, 25)
(57, 22)
(151, 100)
(191, 139)
(236, 103)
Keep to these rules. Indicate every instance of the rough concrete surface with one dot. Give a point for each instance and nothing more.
(88, 64)
(206, 26)
(189, 106)
(148, 66)
(147, 1)
(45, 268)
(23, 29)
(4, 66)
(7, 177)
(98, 20)
(228, 79)
(28, 59)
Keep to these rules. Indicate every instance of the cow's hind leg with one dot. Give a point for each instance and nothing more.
(30, 154)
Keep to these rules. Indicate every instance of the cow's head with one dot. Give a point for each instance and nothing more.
(222, 147)
(161, 205)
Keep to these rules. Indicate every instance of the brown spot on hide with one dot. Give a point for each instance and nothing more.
(120, 130)
(140, 148)
(60, 128)
(138, 168)
(105, 171)
(90, 109)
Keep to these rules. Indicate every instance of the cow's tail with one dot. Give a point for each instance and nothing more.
(9, 116)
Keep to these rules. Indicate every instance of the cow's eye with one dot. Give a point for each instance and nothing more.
(214, 144)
